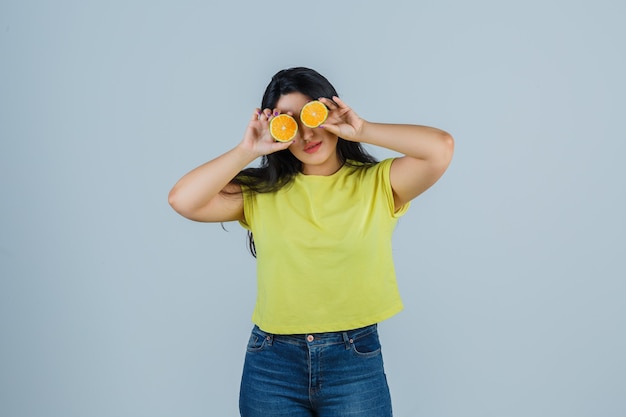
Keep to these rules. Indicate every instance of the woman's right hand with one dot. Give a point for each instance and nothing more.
(257, 139)
(197, 195)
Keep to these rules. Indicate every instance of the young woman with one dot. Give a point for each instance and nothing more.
(320, 212)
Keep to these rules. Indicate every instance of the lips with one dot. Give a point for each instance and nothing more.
(312, 147)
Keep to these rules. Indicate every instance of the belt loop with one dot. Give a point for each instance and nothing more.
(346, 340)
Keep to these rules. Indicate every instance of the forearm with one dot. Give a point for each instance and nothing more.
(194, 190)
(419, 142)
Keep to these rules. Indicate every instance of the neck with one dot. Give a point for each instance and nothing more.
(322, 170)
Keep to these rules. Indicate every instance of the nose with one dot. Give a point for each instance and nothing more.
(306, 132)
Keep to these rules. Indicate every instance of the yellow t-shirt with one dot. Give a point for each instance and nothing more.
(324, 259)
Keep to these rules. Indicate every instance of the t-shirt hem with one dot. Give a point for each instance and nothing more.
(329, 327)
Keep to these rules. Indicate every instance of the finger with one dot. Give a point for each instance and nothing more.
(255, 114)
(340, 103)
(264, 115)
(342, 108)
(273, 113)
(332, 129)
(279, 146)
(328, 103)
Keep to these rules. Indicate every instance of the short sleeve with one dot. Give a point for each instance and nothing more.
(247, 208)
(383, 178)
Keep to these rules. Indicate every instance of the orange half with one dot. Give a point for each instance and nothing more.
(314, 113)
(283, 128)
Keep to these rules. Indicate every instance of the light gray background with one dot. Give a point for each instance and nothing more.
(511, 267)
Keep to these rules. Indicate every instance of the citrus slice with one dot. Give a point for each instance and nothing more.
(283, 128)
(314, 113)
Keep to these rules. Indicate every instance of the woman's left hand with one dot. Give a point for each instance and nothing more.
(342, 120)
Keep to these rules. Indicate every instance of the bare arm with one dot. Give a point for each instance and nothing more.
(427, 153)
(197, 195)
(427, 150)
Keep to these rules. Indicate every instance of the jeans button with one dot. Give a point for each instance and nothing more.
(310, 338)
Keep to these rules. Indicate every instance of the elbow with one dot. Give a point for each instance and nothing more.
(447, 142)
(173, 199)
(179, 200)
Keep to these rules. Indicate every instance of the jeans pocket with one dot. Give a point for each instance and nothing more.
(367, 345)
(257, 341)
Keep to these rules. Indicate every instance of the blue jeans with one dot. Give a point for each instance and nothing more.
(322, 374)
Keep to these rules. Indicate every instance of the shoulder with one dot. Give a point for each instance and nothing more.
(379, 169)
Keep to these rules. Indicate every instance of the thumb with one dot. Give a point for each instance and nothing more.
(279, 146)
(331, 128)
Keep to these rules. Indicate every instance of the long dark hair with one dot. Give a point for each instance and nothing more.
(278, 169)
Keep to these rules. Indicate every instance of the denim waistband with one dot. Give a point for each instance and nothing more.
(328, 338)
